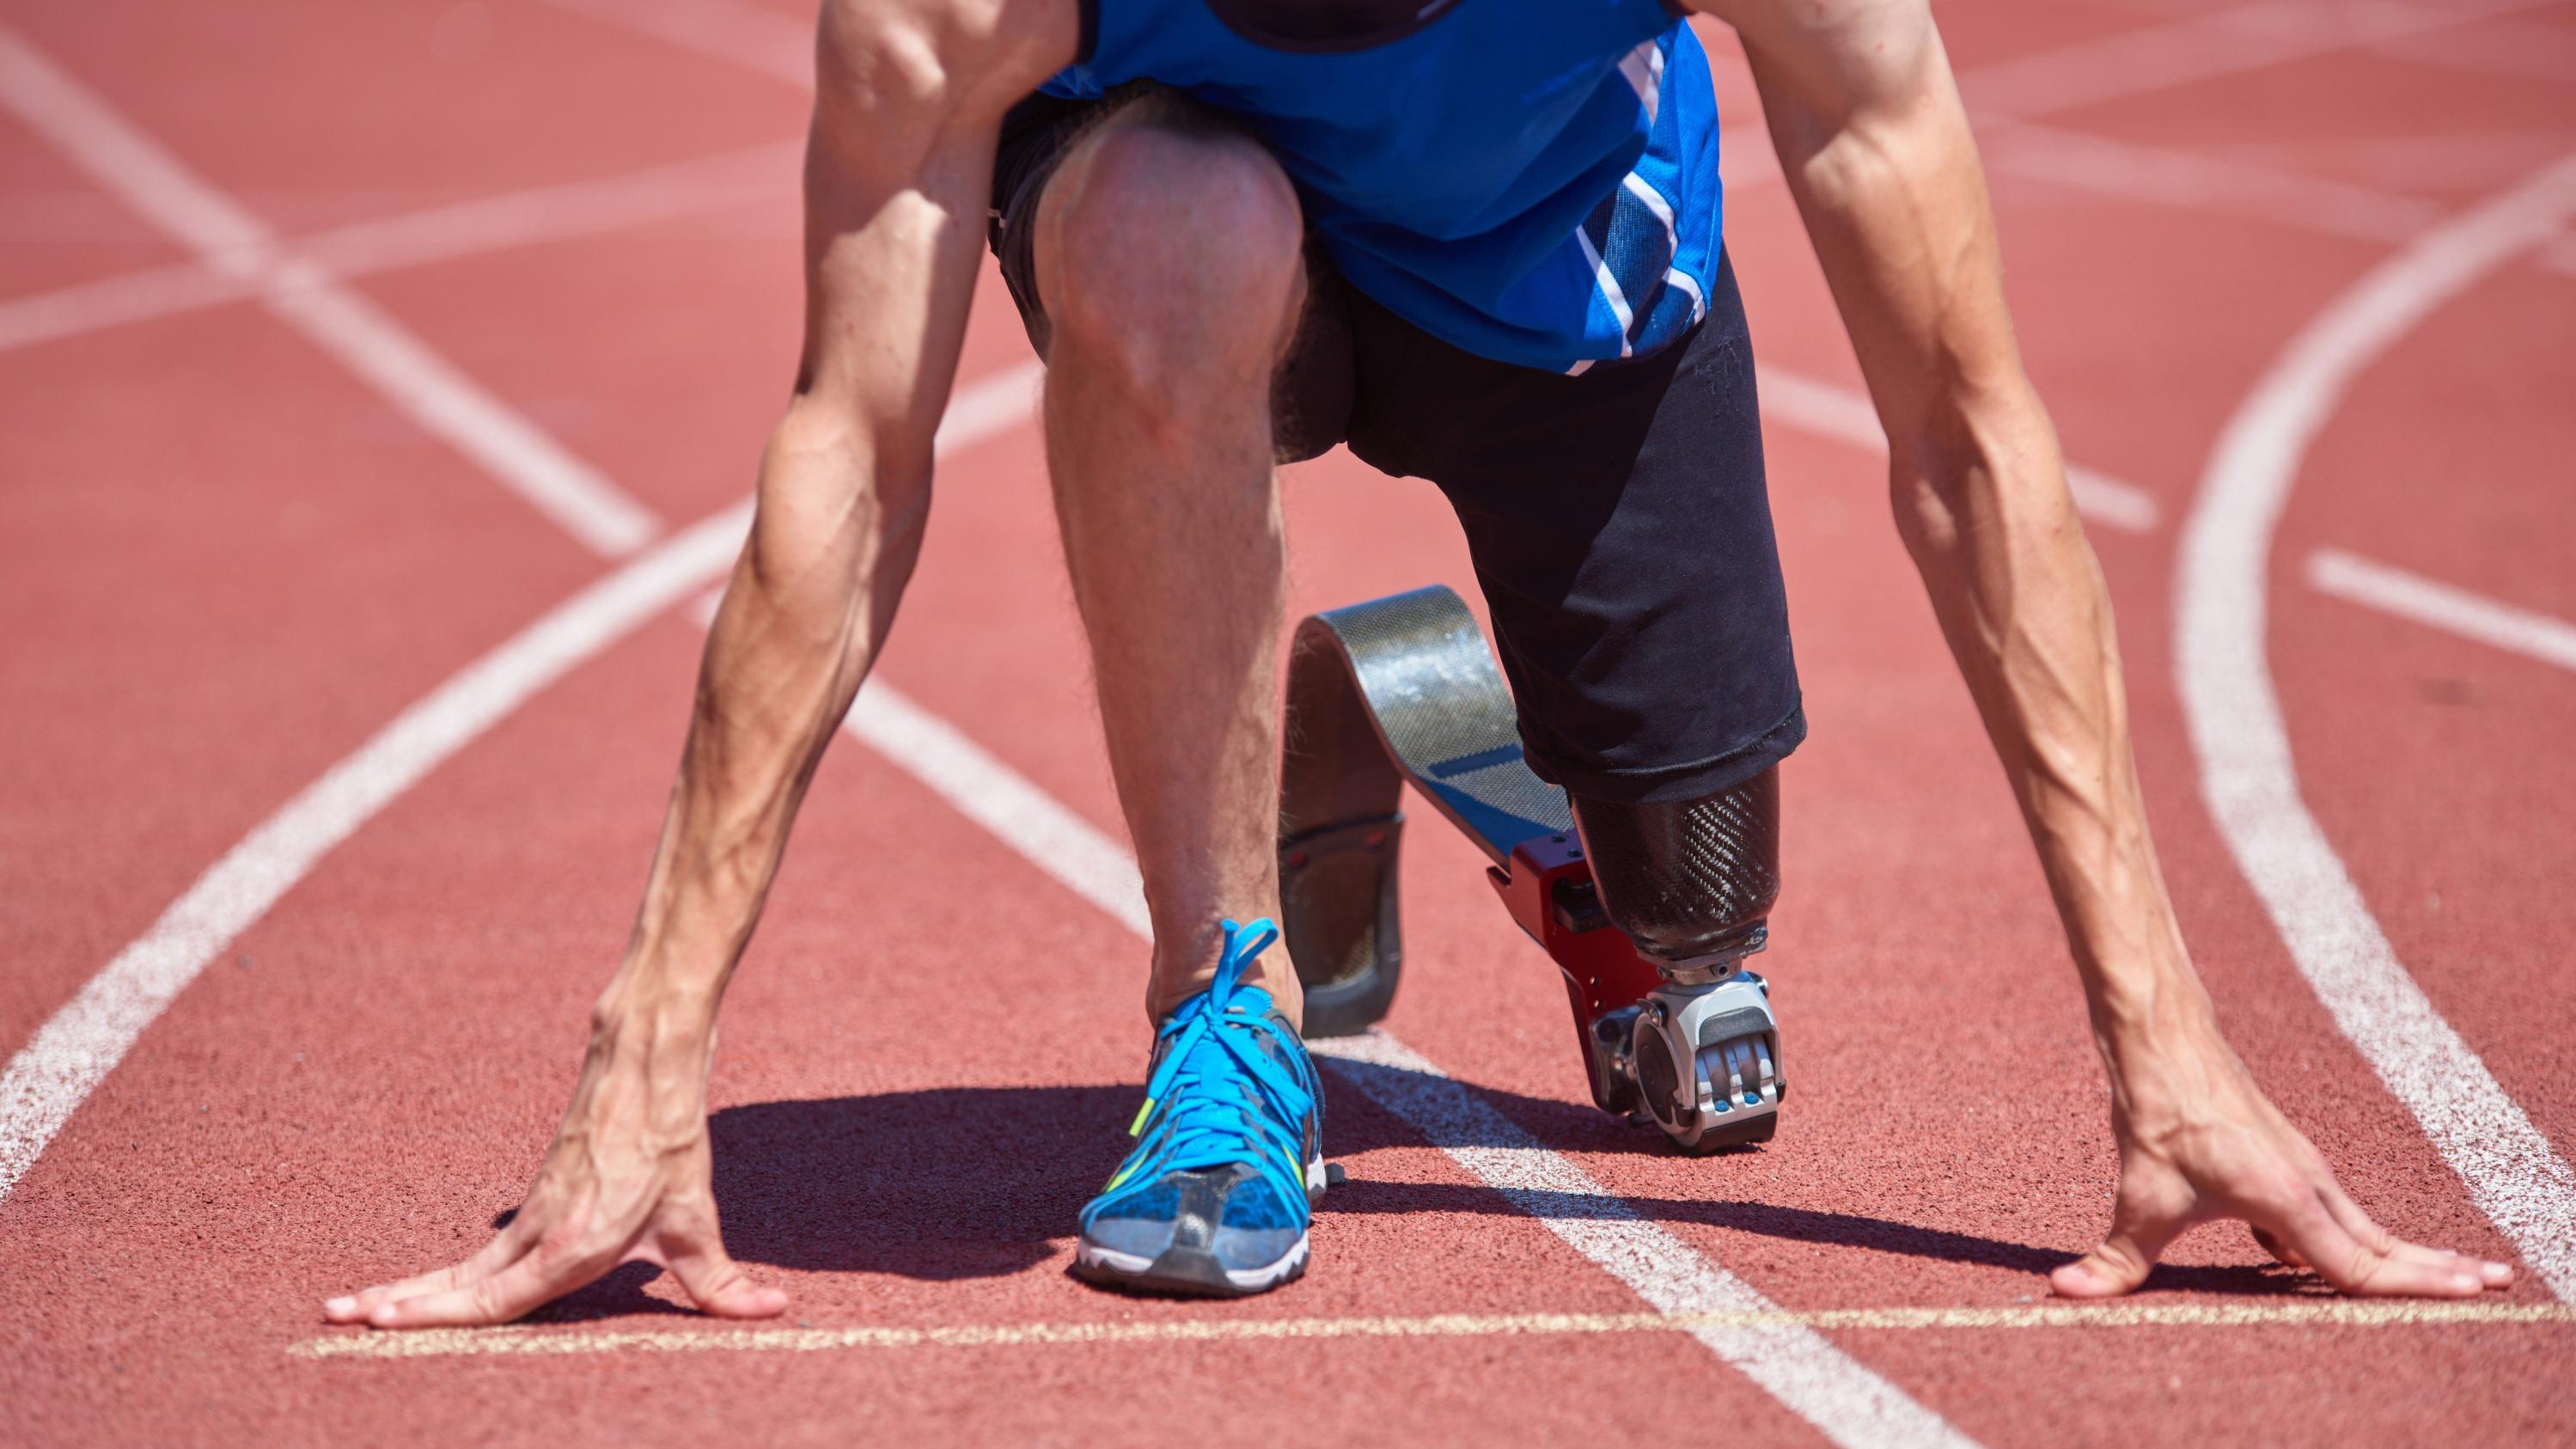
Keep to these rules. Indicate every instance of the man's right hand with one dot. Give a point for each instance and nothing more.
(629, 1179)
(909, 99)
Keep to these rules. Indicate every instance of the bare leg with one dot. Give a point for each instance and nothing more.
(1169, 261)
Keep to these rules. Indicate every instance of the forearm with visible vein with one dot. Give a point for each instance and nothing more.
(1877, 151)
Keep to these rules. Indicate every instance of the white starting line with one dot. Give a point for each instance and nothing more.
(541, 1342)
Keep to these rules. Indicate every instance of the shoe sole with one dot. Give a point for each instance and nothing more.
(1186, 1272)
(1195, 1272)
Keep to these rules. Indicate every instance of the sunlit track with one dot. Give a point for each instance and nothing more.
(1808, 1374)
(540, 1342)
(751, 36)
(2164, 176)
(1842, 414)
(2204, 47)
(48, 1079)
(79, 1045)
(229, 568)
(463, 229)
(2504, 51)
(2437, 605)
(2006, 98)
(404, 370)
(2248, 776)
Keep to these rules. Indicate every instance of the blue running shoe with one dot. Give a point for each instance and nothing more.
(1215, 1198)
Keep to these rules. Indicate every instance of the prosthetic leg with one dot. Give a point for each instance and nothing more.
(1650, 926)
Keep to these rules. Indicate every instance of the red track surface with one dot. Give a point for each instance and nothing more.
(224, 564)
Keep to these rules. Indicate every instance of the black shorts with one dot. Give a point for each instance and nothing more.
(1618, 519)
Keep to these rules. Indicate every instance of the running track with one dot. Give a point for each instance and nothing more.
(378, 382)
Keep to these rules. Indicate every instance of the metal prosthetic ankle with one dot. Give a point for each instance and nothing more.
(1691, 883)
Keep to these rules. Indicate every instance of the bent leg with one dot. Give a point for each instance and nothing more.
(1622, 536)
(1168, 262)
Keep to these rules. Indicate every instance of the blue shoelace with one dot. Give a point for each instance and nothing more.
(1211, 1047)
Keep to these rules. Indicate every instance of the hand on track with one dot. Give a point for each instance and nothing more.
(629, 1179)
(2229, 1153)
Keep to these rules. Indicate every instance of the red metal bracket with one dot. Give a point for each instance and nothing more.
(1548, 889)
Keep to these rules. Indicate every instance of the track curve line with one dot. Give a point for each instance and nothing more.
(83, 1041)
(2247, 773)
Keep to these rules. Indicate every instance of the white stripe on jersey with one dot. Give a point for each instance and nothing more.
(1655, 203)
(1609, 285)
(1663, 210)
(1644, 68)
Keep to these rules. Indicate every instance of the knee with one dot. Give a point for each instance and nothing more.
(1171, 258)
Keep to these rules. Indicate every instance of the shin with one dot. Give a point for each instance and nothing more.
(1691, 884)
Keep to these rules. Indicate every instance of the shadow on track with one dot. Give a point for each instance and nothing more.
(964, 1182)
(1807, 1225)
(978, 1182)
(1578, 1127)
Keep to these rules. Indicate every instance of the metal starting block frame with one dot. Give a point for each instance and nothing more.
(1404, 689)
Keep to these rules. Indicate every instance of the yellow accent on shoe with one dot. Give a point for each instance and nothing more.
(1137, 1127)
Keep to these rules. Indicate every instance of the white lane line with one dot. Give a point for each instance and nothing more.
(49, 1078)
(541, 1342)
(2248, 775)
(1846, 415)
(2166, 176)
(82, 1042)
(2440, 606)
(402, 369)
(2161, 176)
(2528, 50)
(2205, 47)
(114, 301)
(565, 211)
(444, 233)
(1798, 1366)
(983, 789)
(2014, 145)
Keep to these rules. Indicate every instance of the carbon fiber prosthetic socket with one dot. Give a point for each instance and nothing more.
(1692, 881)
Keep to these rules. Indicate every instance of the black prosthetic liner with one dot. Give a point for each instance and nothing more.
(1688, 879)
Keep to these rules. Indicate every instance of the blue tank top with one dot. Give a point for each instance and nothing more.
(1534, 181)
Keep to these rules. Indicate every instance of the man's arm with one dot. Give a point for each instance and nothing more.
(908, 102)
(1876, 147)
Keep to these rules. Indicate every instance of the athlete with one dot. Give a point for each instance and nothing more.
(1478, 241)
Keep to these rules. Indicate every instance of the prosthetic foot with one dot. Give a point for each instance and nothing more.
(1691, 883)
(1649, 928)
